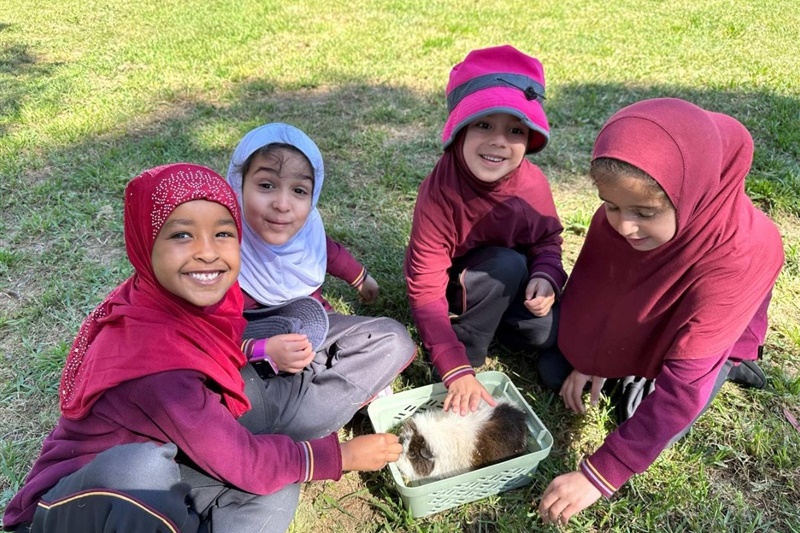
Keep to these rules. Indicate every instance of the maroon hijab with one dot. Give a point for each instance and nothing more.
(141, 329)
(625, 311)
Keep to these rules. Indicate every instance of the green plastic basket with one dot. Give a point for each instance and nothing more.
(435, 496)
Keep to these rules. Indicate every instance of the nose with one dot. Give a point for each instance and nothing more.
(205, 249)
(498, 138)
(280, 201)
(627, 227)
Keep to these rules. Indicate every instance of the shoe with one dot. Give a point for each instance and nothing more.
(748, 374)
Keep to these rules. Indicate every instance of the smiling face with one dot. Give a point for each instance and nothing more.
(494, 146)
(196, 254)
(644, 217)
(276, 194)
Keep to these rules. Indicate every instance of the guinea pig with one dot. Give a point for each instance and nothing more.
(438, 444)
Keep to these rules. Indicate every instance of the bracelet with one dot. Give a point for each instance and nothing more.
(255, 351)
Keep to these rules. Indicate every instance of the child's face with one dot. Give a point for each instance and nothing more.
(277, 194)
(196, 253)
(645, 219)
(495, 145)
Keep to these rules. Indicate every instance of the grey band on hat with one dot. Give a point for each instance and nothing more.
(532, 88)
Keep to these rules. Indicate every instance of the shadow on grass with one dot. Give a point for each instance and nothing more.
(379, 143)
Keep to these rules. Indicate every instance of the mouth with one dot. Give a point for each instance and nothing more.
(278, 222)
(205, 277)
(493, 158)
(636, 242)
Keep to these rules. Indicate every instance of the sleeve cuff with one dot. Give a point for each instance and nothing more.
(323, 459)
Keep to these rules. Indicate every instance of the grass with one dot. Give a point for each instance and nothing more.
(91, 93)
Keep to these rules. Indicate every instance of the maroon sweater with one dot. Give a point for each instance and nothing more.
(455, 214)
(177, 407)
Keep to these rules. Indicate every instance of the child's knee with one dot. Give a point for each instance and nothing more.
(397, 333)
(145, 465)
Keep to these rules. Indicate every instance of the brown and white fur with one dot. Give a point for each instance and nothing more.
(438, 444)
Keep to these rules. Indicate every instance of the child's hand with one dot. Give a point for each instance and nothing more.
(567, 495)
(465, 394)
(539, 296)
(368, 290)
(370, 452)
(572, 391)
(291, 352)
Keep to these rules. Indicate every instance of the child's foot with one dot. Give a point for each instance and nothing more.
(748, 374)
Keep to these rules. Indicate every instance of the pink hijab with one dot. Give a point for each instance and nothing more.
(624, 311)
(141, 329)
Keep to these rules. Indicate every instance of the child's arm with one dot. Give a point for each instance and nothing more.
(426, 264)
(343, 265)
(178, 406)
(544, 248)
(684, 387)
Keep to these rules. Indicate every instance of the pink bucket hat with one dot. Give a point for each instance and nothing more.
(500, 79)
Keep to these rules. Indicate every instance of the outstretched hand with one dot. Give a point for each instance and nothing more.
(567, 495)
(368, 290)
(291, 352)
(465, 395)
(539, 296)
(370, 452)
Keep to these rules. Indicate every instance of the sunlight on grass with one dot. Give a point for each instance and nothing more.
(92, 93)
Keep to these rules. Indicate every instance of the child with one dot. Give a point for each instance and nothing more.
(277, 173)
(672, 284)
(148, 438)
(484, 255)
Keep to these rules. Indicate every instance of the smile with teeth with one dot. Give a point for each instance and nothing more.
(205, 276)
(493, 158)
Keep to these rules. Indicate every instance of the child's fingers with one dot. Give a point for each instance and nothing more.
(597, 387)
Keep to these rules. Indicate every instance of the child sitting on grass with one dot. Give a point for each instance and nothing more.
(277, 173)
(484, 255)
(672, 285)
(149, 440)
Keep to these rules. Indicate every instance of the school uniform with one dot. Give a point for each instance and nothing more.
(473, 248)
(361, 356)
(686, 313)
(150, 395)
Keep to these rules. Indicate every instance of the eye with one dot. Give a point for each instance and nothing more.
(519, 131)
(302, 191)
(266, 185)
(645, 214)
(226, 234)
(178, 235)
(482, 125)
(611, 207)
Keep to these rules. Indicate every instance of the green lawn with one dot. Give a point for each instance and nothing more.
(91, 93)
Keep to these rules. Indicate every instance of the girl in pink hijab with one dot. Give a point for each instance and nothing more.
(671, 287)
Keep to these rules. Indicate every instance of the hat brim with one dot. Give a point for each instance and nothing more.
(304, 315)
(499, 100)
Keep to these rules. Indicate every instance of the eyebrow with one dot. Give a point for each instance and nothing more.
(274, 171)
(227, 221)
(632, 206)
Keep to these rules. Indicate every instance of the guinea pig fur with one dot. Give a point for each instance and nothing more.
(439, 444)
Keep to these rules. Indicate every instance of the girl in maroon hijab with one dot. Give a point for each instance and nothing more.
(671, 285)
(154, 384)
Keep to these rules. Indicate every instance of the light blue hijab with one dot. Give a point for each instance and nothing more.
(275, 274)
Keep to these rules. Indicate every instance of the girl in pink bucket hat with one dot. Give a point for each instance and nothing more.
(484, 255)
